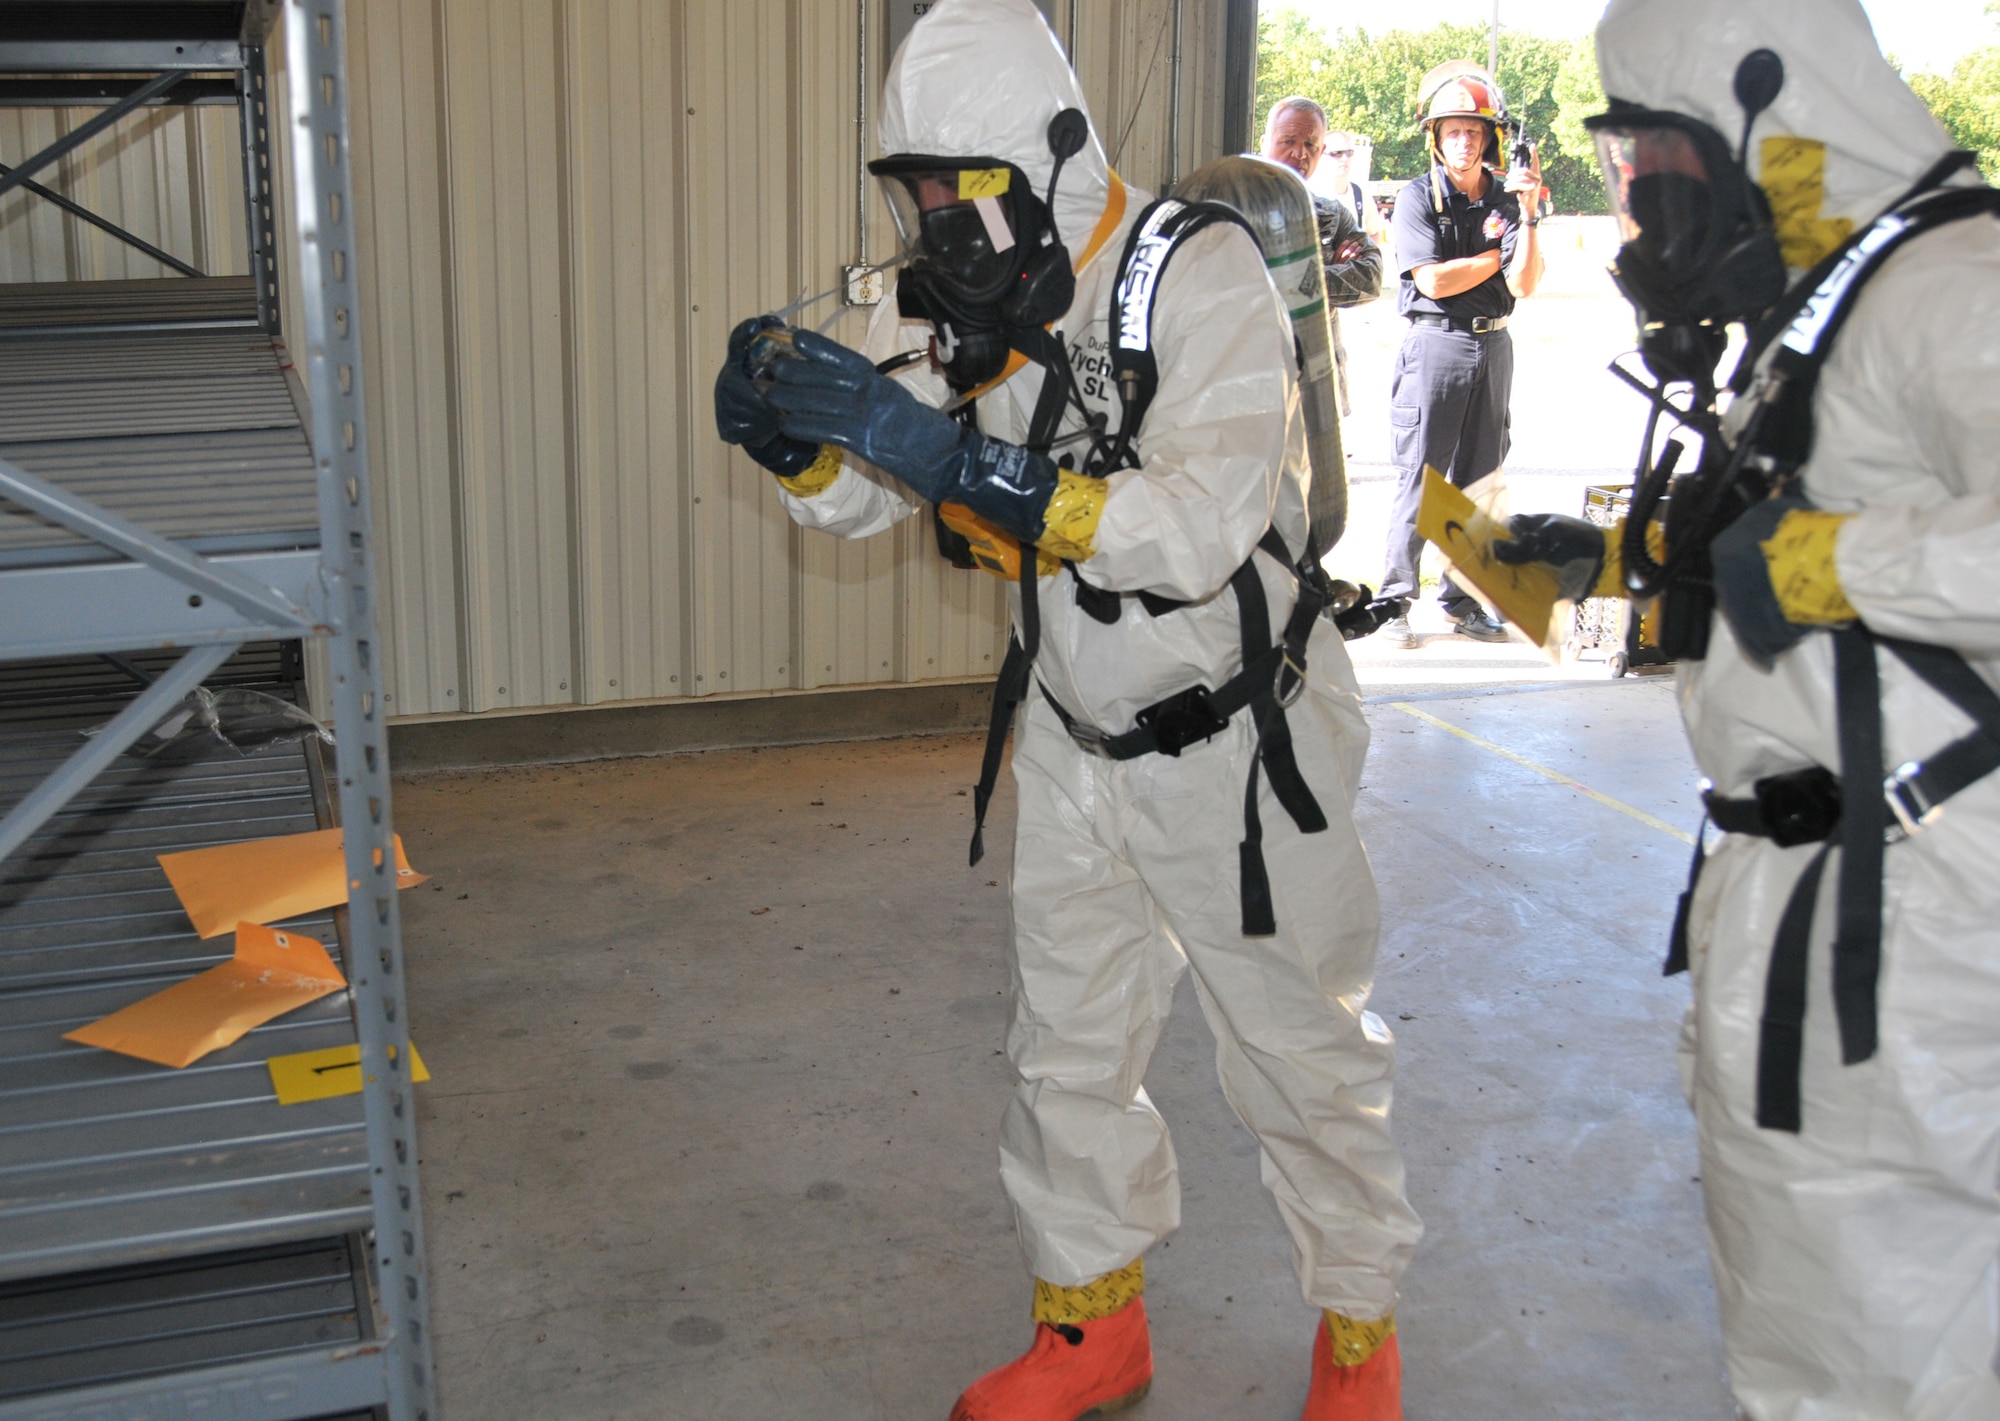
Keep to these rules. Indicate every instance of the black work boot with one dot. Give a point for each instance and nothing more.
(1477, 625)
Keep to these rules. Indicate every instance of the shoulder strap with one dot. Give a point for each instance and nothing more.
(1149, 247)
(1804, 326)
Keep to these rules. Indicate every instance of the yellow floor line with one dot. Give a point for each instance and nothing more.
(1558, 776)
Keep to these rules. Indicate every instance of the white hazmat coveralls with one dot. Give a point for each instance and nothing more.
(1125, 873)
(1858, 1261)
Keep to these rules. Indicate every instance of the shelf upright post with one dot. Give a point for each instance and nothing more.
(260, 217)
(330, 356)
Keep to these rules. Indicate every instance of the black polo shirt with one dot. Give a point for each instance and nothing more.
(1465, 228)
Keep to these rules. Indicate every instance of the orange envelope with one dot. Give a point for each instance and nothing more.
(272, 973)
(263, 880)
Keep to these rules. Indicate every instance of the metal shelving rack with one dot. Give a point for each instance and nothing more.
(166, 513)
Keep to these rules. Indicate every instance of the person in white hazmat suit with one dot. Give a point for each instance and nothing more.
(1126, 870)
(1843, 1050)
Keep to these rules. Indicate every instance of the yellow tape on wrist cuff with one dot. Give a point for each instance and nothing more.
(1057, 1305)
(1355, 1342)
(1069, 523)
(816, 476)
(1799, 555)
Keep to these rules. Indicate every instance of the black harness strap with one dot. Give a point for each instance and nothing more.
(1009, 690)
(1045, 348)
(1916, 789)
(1273, 735)
(1271, 677)
(1855, 813)
(1284, 687)
(1806, 806)
(1857, 946)
(1272, 674)
(1781, 1034)
(1677, 940)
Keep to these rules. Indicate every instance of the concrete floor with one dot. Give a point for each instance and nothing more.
(717, 1075)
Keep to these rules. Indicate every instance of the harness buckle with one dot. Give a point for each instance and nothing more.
(1286, 664)
(1906, 801)
(1182, 720)
(1088, 736)
(1800, 806)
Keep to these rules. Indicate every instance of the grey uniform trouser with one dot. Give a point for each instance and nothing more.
(1448, 409)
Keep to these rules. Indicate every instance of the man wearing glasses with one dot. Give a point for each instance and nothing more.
(1295, 135)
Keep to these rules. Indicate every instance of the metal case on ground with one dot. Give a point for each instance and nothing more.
(1611, 629)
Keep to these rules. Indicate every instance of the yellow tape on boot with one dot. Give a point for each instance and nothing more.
(1799, 554)
(1355, 1342)
(1057, 1305)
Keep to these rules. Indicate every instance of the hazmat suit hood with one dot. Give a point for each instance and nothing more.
(982, 78)
(1682, 55)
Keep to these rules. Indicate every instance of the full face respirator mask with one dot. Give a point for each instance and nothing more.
(984, 257)
(1699, 250)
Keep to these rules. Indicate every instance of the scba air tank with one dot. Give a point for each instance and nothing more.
(1274, 201)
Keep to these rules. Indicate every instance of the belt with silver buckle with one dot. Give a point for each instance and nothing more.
(1465, 325)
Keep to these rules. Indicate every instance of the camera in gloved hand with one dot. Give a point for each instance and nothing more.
(742, 414)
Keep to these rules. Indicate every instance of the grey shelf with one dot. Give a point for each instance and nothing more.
(175, 1242)
(106, 1160)
(37, 307)
(118, 1325)
(195, 434)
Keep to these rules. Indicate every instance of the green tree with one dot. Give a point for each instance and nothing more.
(1967, 103)
(1368, 84)
(1579, 94)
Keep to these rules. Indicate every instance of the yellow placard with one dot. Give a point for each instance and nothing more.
(321, 1075)
(264, 880)
(983, 182)
(1526, 595)
(1792, 173)
(273, 972)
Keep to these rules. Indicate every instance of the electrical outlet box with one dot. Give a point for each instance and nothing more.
(863, 285)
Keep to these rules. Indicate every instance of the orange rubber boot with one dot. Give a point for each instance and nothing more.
(1071, 1370)
(1369, 1389)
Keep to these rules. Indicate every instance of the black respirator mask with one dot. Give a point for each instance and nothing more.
(984, 257)
(1699, 248)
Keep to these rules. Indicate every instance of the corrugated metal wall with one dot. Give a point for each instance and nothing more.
(567, 204)
(173, 176)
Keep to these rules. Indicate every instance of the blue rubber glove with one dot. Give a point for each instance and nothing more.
(833, 395)
(1573, 548)
(743, 416)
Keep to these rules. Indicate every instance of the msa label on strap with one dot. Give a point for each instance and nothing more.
(1135, 290)
(1803, 335)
